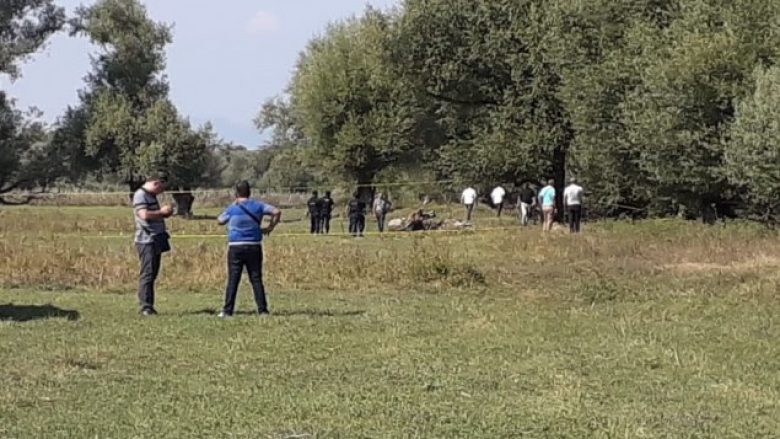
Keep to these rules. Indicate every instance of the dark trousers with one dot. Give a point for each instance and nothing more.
(575, 218)
(151, 259)
(251, 257)
(469, 211)
(500, 208)
(315, 224)
(380, 221)
(357, 224)
(325, 224)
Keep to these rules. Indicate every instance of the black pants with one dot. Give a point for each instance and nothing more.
(469, 211)
(380, 221)
(315, 224)
(151, 259)
(251, 257)
(325, 224)
(575, 218)
(500, 208)
(357, 224)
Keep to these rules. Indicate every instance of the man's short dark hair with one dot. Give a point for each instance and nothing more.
(243, 190)
(327, 194)
(156, 176)
(315, 193)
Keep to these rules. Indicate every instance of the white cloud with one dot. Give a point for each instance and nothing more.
(262, 23)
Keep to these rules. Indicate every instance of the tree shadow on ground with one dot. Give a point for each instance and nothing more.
(288, 313)
(26, 313)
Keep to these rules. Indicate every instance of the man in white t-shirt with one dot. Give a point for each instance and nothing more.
(572, 201)
(469, 199)
(497, 196)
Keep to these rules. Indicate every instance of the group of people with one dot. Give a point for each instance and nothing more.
(529, 202)
(320, 213)
(246, 229)
(244, 220)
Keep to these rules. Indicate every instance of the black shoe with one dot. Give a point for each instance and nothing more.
(148, 312)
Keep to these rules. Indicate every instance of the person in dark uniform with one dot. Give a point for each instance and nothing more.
(326, 213)
(313, 206)
(356, 211)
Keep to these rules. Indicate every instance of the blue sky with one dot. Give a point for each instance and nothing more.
(226, 59)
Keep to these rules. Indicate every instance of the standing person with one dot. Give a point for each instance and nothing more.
(244, 219)
(151, 238)
(381, 207)
(547, 200)
(497, 197)
(468, 199)
(356, 211)
(326, 213)
(313, 212)
(572, 201)
(526, 201)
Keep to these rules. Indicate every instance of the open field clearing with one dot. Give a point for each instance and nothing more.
(656, 330)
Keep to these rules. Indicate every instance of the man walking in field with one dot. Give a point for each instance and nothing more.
(468, 198)
(314, 206)
(326, 213)
(497, 197)
(356, 212)
(547, 200)
(381, 207)
(244, 219)
(151, 238)
(526, 202)
(572, 202)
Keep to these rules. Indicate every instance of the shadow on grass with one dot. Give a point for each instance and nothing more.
(26, 313)
(287, 313)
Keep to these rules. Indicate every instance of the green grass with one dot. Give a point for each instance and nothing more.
(659, 330)
(340, 365)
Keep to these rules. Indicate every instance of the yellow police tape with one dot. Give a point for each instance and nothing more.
(466, 231)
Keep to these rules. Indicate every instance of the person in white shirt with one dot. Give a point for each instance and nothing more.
(497, 196)
(572, 201)
(469, 199)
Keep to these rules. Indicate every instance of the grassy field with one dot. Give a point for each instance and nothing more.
(662, 329)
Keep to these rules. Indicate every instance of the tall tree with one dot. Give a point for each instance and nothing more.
(681, 113)
(24, 160)
(126, 126)
(752, 153)
(350, 104)
(24, 27)
(489, 68)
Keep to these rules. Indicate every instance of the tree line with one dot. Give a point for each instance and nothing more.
(665, 107)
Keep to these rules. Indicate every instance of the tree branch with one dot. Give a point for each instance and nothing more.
(451, 100)
(14, 186)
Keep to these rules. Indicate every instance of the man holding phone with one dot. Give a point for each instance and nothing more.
(151, 237)
(244, 219)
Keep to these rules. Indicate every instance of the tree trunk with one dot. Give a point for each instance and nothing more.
(184, 202)
(559, 175)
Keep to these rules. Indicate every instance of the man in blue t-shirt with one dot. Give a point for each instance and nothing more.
(244, 219)
(547, 200)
